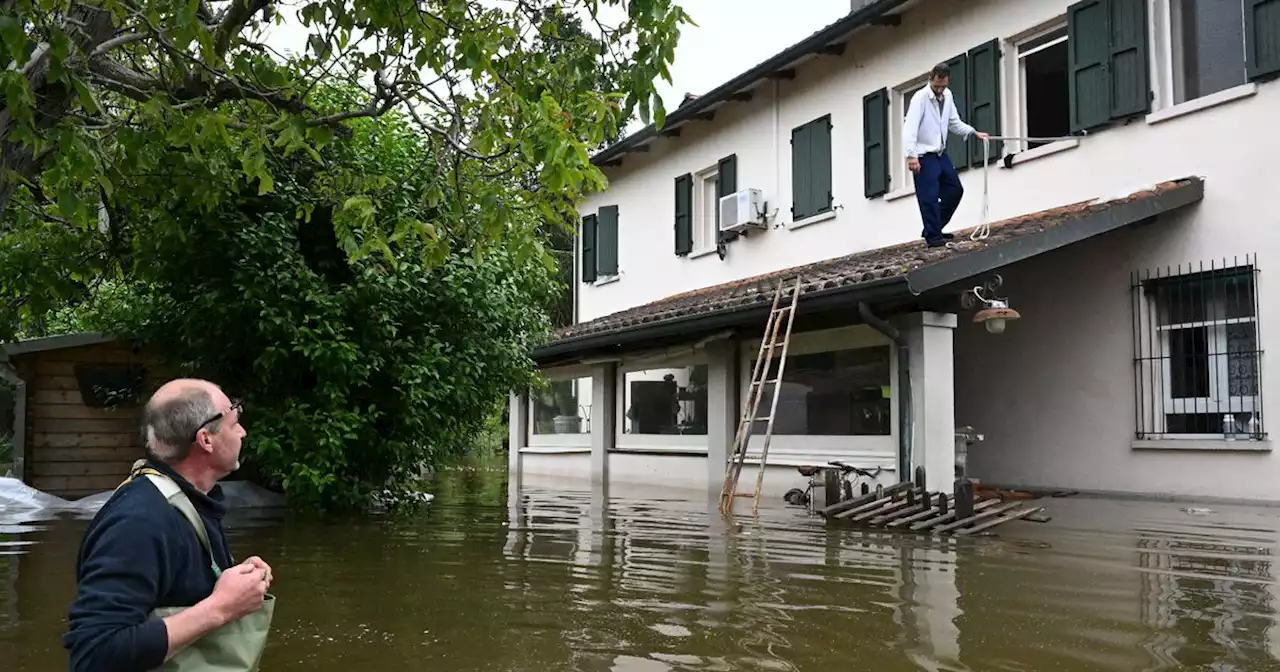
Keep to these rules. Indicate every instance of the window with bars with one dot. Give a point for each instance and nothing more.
(1197, 365)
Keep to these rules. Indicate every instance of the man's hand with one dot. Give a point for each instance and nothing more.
(261, 564)
(913, 164)
(981, 136)
(238, 593)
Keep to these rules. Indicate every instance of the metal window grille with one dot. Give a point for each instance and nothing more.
(1197, 354)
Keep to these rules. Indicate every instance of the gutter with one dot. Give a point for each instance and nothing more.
(751, 315)
(905, 434)
(747, 80)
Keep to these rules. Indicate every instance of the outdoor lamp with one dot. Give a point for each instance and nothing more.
(997, 313)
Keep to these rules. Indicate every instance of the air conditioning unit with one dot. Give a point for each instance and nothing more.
(743, 209)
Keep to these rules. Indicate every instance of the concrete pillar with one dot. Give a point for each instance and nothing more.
(604, 415)
(517, 438)
(929, 339)
(722, 409)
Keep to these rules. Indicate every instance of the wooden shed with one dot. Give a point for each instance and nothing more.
(81, 396)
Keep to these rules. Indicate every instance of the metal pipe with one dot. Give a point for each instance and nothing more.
(904, 387)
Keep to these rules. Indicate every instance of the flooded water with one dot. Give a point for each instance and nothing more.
(560, 577)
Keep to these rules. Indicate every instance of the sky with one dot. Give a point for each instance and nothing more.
(730, 38)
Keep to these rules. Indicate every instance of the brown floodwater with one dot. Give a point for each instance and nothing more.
(559, 576)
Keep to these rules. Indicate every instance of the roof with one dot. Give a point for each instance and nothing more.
(47, 343)
(694, 108)
(905, 270)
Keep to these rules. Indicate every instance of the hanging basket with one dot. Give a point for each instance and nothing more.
(110, 385)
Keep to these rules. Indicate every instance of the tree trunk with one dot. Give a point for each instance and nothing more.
(87, 26)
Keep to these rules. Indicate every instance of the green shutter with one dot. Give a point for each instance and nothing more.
(820, 161)
(1130, 83)
(1089, 52)
(726, 183)
(607, 240)
(801, 175)
(984, 99)
(589, 227)
(1262, 38)
(875, 143)
(684, 214)
(958, 149)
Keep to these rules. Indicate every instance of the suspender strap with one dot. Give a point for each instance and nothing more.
(179, 500)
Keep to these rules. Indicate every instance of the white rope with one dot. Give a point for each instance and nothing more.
(984, 224)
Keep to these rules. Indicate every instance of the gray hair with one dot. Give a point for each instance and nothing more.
(169, 427)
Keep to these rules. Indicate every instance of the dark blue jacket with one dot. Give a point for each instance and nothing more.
(139, 553)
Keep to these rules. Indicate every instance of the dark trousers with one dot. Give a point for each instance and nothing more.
(938, 191)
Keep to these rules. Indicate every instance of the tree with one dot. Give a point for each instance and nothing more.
(100, 92)
(354, 373)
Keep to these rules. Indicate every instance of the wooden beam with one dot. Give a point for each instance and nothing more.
(832, 49)
(673, 133)
(613, 164)
(887, 20)
(789, 73)
(707, 116)
(741, 97)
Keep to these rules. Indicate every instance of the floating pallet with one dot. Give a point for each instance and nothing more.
(909, 506)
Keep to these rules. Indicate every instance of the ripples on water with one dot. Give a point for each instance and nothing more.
(555, 579)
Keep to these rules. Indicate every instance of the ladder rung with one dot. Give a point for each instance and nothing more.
(744, 494)
(765, 418)
(764, 382)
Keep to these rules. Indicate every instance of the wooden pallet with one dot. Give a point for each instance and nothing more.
(909, 506)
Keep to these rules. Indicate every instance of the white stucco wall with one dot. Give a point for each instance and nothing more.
(1055, 394)
(759, 131)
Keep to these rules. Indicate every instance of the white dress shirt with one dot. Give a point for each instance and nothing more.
(925, 128)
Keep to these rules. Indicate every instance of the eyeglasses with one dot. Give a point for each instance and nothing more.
(236, 405)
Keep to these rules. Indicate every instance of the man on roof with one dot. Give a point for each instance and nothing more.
(931, 115)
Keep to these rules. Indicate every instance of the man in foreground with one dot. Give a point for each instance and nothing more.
(930, 116)
(140, 553)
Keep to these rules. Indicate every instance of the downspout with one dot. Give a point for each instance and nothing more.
(904, 388)
(19, 420)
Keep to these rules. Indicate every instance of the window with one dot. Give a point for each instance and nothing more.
(1207, 37)
(1045, 92)
(697, 212)
(564, 407)
(811, 169)
(600, 244)
(1197, 372)
(665, 401)
(838, 392)
(1107, 63)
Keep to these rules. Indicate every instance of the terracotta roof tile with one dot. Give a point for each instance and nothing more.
(846, 271)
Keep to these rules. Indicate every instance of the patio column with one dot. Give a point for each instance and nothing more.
(722, 409)
(929, 339)
(604, 414)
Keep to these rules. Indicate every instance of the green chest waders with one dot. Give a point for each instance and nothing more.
(234, 647)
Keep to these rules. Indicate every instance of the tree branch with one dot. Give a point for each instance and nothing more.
(233, 20)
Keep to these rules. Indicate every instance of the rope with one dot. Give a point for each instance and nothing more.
(984, 224)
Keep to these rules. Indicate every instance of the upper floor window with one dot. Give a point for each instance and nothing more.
(697, 201)
(1197, 356)
(1207, 39)
(1043, 87)
(811, 169)
(600, 244)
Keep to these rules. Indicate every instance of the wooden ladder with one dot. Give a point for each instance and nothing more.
(760, 378)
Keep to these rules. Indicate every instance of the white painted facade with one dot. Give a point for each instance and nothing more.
(1055, 394)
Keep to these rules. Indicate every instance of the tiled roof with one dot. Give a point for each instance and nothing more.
(853, 270)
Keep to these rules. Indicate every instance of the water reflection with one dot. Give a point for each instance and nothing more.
(551, 575)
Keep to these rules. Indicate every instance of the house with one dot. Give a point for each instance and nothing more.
(77, 409)
(1133, 252)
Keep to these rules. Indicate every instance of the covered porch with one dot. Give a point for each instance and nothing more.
(653, 394)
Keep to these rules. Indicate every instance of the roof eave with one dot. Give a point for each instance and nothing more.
(781, 61)
(47, 343)
(737, 316)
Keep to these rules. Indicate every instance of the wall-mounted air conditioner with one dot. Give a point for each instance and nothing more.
(741, 210)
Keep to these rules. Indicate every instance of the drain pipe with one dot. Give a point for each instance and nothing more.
(904, 387)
